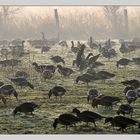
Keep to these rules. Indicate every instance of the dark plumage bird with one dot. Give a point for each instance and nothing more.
(86, 78)
(66, 119)
(27, 107)
(87, 116)
(125, 109)
(105, 75)
(107, 101)
(47, 74)
(138, 92)
(19, 81)
(136, 60)
(126, 48)
(109, 53)
(57, 91)
(121, 122)
(8, 90)
(93, 93)
(123, 62)
(1, 83)
(79, 57)
(58, 59)
(93, 59)
(131, 96)
(64, 70)
(22, 74)
(41, 68)
(128, 88)
(135, 83)
(74, 49)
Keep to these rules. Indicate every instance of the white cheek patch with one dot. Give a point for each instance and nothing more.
(60, 93)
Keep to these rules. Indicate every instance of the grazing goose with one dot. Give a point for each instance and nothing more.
(58, 59)
(136, 60)
(64, 70)
(8, 90)
(66, 119)
(93, 93)
(87, 116)
(47, 74)
(41, 68)
(131, 96)
(19, 81)
(127, 88)
(105, 75)
(135, 83)
(121, 122)
(22, 74)
(27, 107)
(57, 91)
(107, 101)
(74, 49)
(123, 62)
(86, 78)
(125, 109)
(11, 62)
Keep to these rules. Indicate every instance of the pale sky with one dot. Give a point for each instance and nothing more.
(42, 10)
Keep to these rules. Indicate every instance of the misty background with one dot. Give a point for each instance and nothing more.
(79, 22)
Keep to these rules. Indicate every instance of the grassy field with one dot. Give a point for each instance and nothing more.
(75, 96)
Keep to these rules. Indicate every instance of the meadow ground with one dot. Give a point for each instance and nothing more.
(75, 96)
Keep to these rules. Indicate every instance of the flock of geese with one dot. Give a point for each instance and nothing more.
(87, 64)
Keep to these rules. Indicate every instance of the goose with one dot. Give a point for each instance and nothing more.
(125, 109)
(74, 49)
(19, 81)
(127, 88)
(58, 59)
(27, 107)
(86, 78)
(134, 82)
(47, 74)
(57, 91)
(80, 55)
(92, 94)
(107, 101)
(65, 119)
(8, 90)
(136, 60)
(22, 74)
(123, 62)
(105, 75)
(41, 68)
(87, 116)
(131, 96)
(64, 70)
(121, 122)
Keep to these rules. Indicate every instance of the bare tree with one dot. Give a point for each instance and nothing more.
(113, 15)
(7, 13)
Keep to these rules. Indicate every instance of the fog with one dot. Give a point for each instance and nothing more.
(75, 22)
